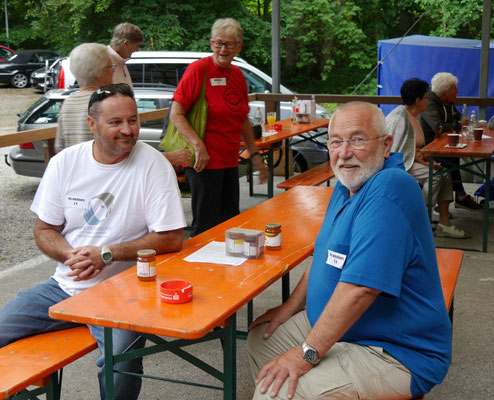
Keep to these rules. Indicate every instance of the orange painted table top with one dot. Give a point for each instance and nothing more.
(219, 290)
(476, 149)
(288, 130)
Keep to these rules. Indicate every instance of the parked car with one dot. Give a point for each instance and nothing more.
(5, 52)
(17, 69)
(155, 68)
(28, 159)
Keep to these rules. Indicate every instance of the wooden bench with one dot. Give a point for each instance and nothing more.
(36, 360)
(312, 177)
(449, 263)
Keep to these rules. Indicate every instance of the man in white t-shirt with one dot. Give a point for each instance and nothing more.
(98, 203)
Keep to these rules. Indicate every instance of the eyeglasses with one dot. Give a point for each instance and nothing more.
(112, 89)
(113, 66)
(218, 44)
(356, 142)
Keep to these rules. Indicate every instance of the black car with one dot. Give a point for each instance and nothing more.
(17, 69)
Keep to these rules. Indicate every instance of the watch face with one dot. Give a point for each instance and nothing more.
(310, 355)
(107, 256)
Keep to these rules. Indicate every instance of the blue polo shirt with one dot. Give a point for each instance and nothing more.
(381, 238)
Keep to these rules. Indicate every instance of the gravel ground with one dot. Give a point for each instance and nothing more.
(16, 192)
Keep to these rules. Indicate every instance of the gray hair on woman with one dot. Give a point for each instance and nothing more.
(442, 81)
(88, 61)
(125, 31)
(229, 27)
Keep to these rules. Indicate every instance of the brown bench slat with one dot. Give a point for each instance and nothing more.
(33, 359)
(312, 177)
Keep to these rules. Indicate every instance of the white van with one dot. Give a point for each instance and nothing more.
(160, 68)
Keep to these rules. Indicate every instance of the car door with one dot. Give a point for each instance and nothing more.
(150, 131)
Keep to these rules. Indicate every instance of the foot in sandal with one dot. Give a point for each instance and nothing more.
(450, 231)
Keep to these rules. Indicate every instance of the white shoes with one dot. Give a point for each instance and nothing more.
(450, 232)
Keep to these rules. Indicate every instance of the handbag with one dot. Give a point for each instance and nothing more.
(197, 117)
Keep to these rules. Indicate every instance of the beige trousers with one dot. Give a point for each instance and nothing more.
(442, 187)
(346, 371)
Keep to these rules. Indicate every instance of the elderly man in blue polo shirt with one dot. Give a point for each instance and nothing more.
(368, 318)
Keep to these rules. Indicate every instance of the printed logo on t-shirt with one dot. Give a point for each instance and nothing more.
(335, 259)
(98, 208)
(233, 99)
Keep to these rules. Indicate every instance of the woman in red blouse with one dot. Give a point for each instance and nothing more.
(214, 177)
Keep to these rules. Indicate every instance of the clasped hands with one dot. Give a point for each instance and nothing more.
(85, 262)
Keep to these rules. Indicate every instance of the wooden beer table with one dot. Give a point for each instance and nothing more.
(219, 291)
(480, 153)
(288, 131)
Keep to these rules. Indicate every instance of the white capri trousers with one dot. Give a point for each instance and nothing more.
(442, 186)
(346, 371)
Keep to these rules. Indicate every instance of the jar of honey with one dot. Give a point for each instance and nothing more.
(272, 236)
(146, 265)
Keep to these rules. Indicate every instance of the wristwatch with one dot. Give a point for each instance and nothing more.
(310, 354)
(106, 255)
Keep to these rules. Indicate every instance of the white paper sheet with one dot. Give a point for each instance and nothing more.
(214, 252)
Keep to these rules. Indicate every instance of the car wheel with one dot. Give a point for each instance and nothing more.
(299, 163)
(19, 81)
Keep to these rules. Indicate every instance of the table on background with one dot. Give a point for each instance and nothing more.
(219, 291)
(288, 130)
(480, 153)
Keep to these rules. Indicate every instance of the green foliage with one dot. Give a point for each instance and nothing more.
(328, 46)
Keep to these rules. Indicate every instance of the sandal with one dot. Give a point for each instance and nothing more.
(450, 231)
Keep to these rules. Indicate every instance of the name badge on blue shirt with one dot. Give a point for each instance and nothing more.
(335, 259)
(218, 81)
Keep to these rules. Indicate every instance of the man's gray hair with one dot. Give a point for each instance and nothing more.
(229, 27)
(442, 81)
(125, 31)
(88, 62)
(378, 119)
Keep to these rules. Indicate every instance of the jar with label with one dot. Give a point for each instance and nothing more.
(272, 237)
(251, 247)
(146, 265)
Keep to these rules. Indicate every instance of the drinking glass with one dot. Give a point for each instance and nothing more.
(271, 117)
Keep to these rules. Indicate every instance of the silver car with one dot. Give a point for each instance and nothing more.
(28, 159)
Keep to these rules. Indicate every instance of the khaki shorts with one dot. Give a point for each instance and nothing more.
(346, 371)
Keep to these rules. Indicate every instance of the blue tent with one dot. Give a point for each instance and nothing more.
(422, 57)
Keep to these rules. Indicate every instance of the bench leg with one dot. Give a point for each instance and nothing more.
(54, 388)
(229, 360)
(285, 287)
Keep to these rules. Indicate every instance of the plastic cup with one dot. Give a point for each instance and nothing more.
(453, 139)
(477, 133)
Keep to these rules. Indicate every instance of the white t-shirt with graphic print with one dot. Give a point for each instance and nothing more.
(104, 204)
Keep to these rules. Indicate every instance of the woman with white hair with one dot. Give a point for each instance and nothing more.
(441, 116)
(214, 177)
(92, 67)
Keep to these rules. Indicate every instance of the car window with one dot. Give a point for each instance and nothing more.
(46, 114)
(156, 74)
(4, 53)
(42, 57)
(255, 84)
(149, 105)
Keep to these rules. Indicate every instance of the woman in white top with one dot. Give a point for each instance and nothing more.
(408, 138)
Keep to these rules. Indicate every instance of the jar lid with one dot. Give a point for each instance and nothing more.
(146, 252)
(273, 226)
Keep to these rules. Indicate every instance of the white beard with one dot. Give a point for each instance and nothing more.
(353, 180)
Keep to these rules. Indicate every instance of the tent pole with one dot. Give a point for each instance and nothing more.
(484, 54)
(275, 49)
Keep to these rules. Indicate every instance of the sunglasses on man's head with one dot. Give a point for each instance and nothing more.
(112, 89)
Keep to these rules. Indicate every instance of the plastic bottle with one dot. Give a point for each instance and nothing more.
(473, 120)
(464, 112)
(258, 117)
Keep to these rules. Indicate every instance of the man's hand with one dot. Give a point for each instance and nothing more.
(275, 316)
(179, 157)
(85, 262)
(289, 365)
(263, 171)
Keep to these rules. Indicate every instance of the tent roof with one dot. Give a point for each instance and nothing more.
(422, 40)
